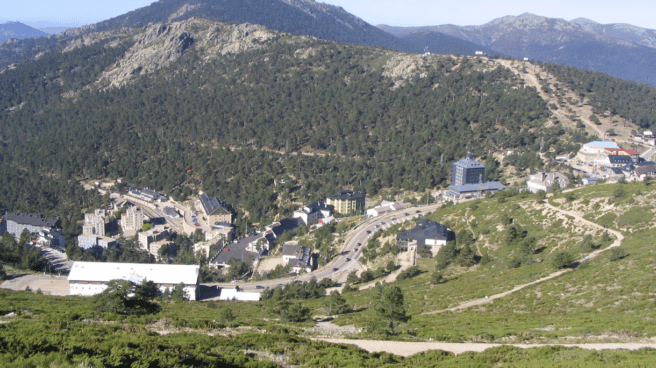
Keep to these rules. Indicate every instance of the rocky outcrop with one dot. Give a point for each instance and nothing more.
(160, 44)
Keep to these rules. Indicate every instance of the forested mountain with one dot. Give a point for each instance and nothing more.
(620, 50)
(300, 17)
(18, 30)
(227, 108)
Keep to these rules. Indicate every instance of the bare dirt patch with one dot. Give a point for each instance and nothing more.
(49, 285)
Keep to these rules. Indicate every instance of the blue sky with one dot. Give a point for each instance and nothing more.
(392, 12)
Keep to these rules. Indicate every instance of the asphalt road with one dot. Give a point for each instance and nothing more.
(647, 155)
(347, 260)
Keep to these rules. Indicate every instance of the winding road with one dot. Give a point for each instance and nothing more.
(347, 260)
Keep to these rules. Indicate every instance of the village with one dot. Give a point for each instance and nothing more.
(152, 219)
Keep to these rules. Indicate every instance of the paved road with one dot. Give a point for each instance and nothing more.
(57, 260)
(647, 155)
(347, 260)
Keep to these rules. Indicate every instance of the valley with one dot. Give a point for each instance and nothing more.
(275, 184)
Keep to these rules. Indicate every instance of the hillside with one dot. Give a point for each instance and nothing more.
(509, 292)
(509, 289)
(621, 50)
(135, 104)
(300, 17)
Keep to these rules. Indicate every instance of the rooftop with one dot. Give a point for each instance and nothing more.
(469, 163)
(170, 211)
(318, 206)
(466, 188)
(627, 151)
(347, 194)
(136, 272)
(619, 159)
(425, 229)
(211, 205)
(236, 251)
(602, 144)
(302, 255)
(30, 219)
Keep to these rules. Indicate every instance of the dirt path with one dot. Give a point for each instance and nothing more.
(491, 298)
(531, 79)
(407, 349)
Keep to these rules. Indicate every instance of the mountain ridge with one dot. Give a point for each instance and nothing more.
(18, 30)
(620, 50)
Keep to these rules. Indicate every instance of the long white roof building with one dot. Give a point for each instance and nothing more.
(90, 278)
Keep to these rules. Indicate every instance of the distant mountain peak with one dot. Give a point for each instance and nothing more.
(622, 50)
(584, 21)
(300, 17)
(18, 30)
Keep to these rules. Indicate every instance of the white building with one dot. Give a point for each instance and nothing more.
(91, 278)
(386, 207)
(132, 219)
(94, 223)
(595, 150)
(242, 296)
(545, 181)
(155, 234)
(297, 257)
(313, 212)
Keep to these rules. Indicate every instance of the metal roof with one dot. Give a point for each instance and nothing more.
(490, 185)
(469, 163)
(157, 273)
(619, 159)
(211, 205)
(347, 194)
(627, 151)
(30, 219)
(602, 144)
(425, 229)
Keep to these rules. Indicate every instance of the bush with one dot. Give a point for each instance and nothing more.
(295, 313)
(437, 278)
(616, 254)
(409, 273)
(562, 259)
(446, 255)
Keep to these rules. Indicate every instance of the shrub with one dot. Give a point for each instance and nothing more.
(616, 254)
(562, 259)
(437, 278)
(409, 273)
